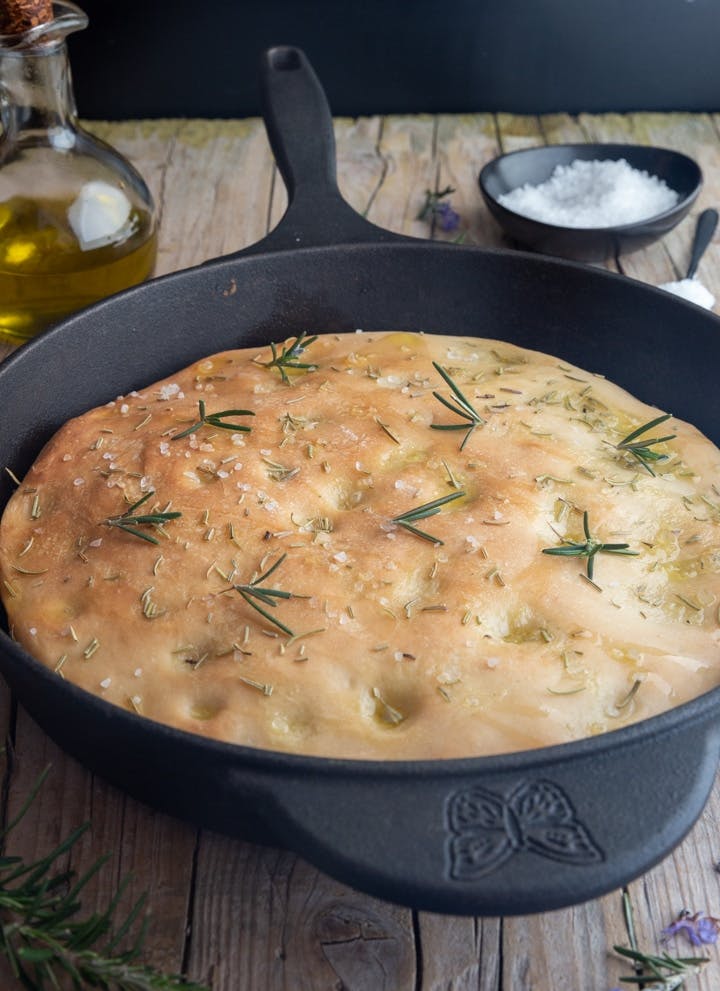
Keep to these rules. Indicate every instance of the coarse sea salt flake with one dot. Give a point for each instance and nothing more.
(106, 682)
(79, 481)
(592, 194)
(137, 672)
(692, 290)
(341, 556)
(168, 391)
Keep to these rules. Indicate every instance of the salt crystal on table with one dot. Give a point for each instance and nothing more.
(589, 194)
(691, 289)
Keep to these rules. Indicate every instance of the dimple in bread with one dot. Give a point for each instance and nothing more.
(418, 547)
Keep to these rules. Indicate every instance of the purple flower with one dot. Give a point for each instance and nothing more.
(697, 929)
(436, 207)
(447, 218)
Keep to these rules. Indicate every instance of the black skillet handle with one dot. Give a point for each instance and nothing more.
(300, 128)
(503, 836)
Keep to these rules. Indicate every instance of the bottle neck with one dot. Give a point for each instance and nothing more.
(36, 95)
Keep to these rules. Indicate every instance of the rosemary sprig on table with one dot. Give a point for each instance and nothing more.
(286, 358)
(48, 946)
(267, 596)
(652, 972)
(216, 420)
(408, 519)
(640, 449)
(431, 201)
(463, 407)
(589, 548)
(128, 523)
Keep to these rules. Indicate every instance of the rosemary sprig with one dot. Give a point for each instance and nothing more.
(640, 449)
(589, 549)
(431, 199)
(463, 407)
(216, 420)
(654, 973)
(129, 522)
(286, 358)
(408, 519)
(267, 596)
(48, 946)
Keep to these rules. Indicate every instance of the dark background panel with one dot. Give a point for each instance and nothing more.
(146, 58)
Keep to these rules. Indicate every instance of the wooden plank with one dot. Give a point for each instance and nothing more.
(407, 150)
(465, 143)
(216, 191)
(269, 920)
(562, 951)
(459, 954)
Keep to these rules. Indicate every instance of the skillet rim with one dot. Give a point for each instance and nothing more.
(687, 713)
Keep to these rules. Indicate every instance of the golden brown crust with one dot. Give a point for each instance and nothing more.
(400, 647)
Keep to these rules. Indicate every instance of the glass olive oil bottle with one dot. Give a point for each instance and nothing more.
(77, 222)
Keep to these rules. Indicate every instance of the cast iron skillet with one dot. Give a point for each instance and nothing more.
(517, 833)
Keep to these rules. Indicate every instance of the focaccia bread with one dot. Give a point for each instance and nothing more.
(414, 546)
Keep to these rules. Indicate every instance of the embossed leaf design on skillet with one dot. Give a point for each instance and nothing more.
(486, 829)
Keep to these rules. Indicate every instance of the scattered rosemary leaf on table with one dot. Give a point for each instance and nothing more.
(653, 972)
(47, 945)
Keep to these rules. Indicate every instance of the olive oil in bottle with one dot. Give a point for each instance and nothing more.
(47, 271)
(77, 221)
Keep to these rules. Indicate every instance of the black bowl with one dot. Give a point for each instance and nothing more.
(536, 165)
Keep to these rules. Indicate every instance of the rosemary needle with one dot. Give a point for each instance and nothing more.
(128, 523)
(589, 549)
(640, 449)
(461, 405)
(288, 355)
(663, 973)
(408, 519)
(252, 594)
(216, 420)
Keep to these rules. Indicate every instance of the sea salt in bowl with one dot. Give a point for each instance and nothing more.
(533, 166)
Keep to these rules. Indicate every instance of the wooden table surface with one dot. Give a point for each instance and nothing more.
(245, 918)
